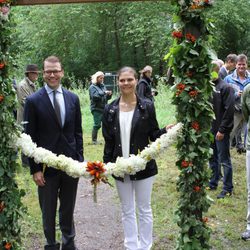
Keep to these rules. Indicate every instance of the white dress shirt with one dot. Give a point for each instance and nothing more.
(59, 98)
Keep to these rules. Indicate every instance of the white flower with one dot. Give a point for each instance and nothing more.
(122, 166)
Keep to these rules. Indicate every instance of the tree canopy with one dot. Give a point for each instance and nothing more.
(93, 37)
(106, 36)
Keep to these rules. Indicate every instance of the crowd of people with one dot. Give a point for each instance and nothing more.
(231, 104)
(52, 117)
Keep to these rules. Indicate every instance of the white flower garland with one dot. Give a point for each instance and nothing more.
(122, 166)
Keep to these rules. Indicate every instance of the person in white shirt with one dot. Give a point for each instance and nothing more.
(129, 124)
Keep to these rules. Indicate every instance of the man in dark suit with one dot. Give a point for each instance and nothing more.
(223, 107)
(229, 66)
(53, 120)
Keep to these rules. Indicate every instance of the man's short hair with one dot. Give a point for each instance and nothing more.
(241, 57)
(52, 59)
(231, 58)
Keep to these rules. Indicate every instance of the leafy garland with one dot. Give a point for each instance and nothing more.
(10, 196)
(190, 60)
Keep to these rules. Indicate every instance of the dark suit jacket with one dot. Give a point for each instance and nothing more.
(223, 72)
(144, 128)
(45, 130)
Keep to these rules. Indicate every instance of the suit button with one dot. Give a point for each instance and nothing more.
(119, 145)
(132, 144)
(114, 128)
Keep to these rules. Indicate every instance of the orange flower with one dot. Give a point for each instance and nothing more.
(205, 219)
(194, 6)
(178, 93)
(8, 246)
(195, 125)
(2, 1)
(197, 188)
(2, 206)
(189, 73)
(177, 34)
(193, 93)
(184, 164)
(190, 37)
(181, 86)
(1, 98)
(2, 63)
(96, 169)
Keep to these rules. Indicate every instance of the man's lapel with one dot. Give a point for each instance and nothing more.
(67, 105)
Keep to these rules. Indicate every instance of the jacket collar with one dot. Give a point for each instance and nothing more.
(32, 84)
(236, 77)
(141, 104)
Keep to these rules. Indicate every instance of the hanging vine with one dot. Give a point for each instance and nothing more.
(190, 60)
(10, 196)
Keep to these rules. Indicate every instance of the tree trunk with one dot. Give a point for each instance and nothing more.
(145, 52)
(117, 42)
(135, 57)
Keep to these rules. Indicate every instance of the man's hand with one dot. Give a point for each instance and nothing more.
(39, 178)
(219, 136)
(108, 92)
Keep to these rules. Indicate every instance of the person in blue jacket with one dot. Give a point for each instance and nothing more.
(238, 80)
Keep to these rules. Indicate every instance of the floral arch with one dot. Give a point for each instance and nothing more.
(190, 61)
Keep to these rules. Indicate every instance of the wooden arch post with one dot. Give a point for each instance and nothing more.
(190, 60)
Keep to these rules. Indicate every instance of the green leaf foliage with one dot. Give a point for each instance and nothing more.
(190, 60)
(11, 208)
(92, 37)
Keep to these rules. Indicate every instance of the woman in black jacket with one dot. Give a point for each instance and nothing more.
(129, 124)
(144, 87)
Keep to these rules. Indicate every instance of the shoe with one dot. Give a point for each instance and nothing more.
(96, 143)
(223, 194)
(211, 188)
(241, 150)
(246, 235)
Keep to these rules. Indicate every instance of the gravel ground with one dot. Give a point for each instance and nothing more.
(98, 225)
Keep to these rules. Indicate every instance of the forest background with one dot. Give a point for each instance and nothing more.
(106, 36)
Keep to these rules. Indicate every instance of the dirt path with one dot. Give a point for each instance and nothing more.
(98, 225)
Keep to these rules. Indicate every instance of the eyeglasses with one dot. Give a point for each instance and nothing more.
(50, 72)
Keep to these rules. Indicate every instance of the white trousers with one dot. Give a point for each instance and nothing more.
(136, 194)
(248, 188)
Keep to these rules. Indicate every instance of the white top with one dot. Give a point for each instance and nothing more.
(125, 119)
